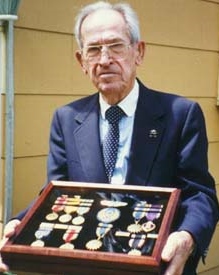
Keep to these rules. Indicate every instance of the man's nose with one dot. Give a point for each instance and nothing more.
(105, 55)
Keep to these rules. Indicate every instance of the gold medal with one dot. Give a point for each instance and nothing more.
(81, 210)
(134, 228)
(55, 209)
(134, 252)
(67, 246)
(65, 218)
(101, 231)
(52, 216)
(137, 214)
(94, 244)
(78, 220)
(70, 209)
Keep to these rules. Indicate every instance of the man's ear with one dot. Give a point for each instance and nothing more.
(141, 51)
(79, 57)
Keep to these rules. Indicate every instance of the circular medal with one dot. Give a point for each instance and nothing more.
(52, 216)
(65, 218)
(70, 209)
(67, 246)
(108, 215)
(78, 220)
(93, 244)
(134, 252)
(134, 228)
(38, 243)
(148, 226)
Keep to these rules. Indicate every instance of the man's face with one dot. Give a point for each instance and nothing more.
(111, 67)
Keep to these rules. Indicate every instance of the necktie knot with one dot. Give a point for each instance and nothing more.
(114, 114)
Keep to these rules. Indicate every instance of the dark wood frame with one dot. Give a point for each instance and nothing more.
(83, 262)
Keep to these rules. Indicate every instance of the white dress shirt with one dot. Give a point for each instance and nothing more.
(128, 105)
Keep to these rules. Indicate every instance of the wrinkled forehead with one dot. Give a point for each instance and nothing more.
(103, 25)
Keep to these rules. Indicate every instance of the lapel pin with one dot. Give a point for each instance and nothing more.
(153, 133)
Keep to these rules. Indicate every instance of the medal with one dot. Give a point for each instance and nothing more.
(78, 220)
(67, 246)
(52, 216)
(37, 243)
(134, 252)
(68, 210)
(81, 210)
(42, 232)
(55, 209)
(148, 226)
(71, 234)
(93, 245)
(136, 242)
(101, 231)
(108, 215)
(65, 218)
(136, 227)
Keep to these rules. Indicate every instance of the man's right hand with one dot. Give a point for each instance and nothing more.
(9, 231)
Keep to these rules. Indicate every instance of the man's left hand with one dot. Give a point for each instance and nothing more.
(176, 251)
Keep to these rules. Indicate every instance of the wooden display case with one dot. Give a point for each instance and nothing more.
(94, 229)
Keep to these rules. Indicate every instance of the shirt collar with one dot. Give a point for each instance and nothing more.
(128, 104)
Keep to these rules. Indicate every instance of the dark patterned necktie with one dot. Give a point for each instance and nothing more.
(111, 141)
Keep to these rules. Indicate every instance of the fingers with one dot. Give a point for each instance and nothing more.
(10, 227)
(176, 251)
(9, 230)
(3, 267)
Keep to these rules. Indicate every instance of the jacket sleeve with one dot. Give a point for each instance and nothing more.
(56, 163)
(199, 210)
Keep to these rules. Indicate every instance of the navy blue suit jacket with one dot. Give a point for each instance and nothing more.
(175, 157)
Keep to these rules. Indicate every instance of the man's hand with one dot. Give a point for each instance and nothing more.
(176, 251)
(8, 232)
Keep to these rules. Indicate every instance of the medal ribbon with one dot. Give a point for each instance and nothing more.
(70, 235)
(137, 241)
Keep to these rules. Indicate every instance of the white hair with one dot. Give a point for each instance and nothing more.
(124, 9)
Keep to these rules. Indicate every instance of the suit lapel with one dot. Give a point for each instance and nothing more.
(88, 143)
(148, 131)
(147, 135)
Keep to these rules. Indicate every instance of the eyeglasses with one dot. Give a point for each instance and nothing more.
(116, 51)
